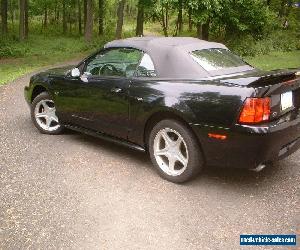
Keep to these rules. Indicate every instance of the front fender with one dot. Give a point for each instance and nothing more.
(38, 83)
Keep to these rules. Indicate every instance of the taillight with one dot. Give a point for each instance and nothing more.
(255, 110)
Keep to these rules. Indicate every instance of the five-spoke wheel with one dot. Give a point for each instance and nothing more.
(44, 116)
(171, 152)
(175, 151)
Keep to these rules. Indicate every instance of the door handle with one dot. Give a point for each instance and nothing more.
(116, 90)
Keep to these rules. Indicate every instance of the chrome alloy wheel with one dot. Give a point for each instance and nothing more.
(45, 115)
(170, 152)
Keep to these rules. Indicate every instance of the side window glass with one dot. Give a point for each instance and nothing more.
(146, 67)
(115, 62)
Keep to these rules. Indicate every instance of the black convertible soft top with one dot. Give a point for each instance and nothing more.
(171, 55)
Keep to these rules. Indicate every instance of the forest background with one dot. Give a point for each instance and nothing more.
(38, 33)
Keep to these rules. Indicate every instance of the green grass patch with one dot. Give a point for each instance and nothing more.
(39, 51)
(276, 60)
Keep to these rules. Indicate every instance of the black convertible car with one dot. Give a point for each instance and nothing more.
(188, 102)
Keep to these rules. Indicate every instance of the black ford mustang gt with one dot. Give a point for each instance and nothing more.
(190, 103)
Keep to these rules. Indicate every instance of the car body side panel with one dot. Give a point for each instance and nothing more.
(197, 102)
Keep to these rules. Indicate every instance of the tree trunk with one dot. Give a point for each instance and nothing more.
(89, 21)
(190, 20)
(180, 19)
(101, 17)
(45, 17)
(205, 31)
(70, 23)
(165, 19)
(120, 15)
(12, 13)
(57, 16)
(79, 17)
(26, 19)
(199, 30)
(140, 20)
(84, 12)
(55, 11)
(282, 8)
(4, 28)
(64, 17)
(22, 20)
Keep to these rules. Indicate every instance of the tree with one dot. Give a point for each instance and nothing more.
(79, 17)
(84, 12)
(190, 20)
(180, 17)
(64, 13)
(203, 12)
(26, 19)
(22, 33)
(163, 13)
(242, 18)
(45, 16)
(89, 21)
(120, 15)
(282, 8)
(101, 17)
(4, 7)
(140, 19)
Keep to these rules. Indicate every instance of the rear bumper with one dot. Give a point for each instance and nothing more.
(250, 146)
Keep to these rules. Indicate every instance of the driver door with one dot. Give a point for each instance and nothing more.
(99, 100)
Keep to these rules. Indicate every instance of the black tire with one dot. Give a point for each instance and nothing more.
(195, 162)
(43, 96)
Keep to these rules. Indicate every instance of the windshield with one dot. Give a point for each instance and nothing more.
(217, 59)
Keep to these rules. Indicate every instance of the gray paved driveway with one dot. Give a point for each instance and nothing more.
(75, 191)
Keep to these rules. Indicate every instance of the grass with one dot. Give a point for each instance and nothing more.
(276, 60)
(40, 51)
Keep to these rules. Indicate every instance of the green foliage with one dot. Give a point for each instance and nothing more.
(206, 9)
(249, 27)
(280, 40)
(243, 17)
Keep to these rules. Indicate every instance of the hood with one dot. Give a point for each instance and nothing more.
(60, 71)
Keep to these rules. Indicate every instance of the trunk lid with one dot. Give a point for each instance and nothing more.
(282, 86)
(259, 78)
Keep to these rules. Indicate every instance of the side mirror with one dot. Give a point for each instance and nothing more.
(75, 72)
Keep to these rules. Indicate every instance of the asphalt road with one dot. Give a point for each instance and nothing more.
(73, 191)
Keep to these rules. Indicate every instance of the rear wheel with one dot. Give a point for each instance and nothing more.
(43, 114)
(174, 151)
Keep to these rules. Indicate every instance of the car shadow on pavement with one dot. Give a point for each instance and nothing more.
(242, 177)
(235, 176)
(111, 147)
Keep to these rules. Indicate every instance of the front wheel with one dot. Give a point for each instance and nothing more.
(174, 151)
(43, 115)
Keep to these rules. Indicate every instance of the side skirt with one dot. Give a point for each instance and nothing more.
(105, 137)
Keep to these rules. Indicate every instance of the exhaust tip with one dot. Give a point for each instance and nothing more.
(259, 168)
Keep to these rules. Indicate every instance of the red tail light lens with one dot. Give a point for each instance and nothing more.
(255, 110)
